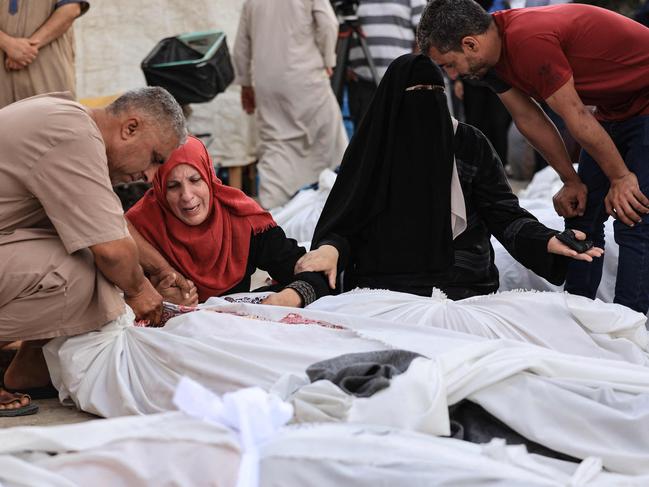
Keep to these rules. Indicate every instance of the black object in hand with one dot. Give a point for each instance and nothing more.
(568, 237)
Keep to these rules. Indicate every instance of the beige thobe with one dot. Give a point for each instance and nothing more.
(53, 68)
(56, 200)
(285, 46)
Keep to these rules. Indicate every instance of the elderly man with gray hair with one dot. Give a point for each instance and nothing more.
(67, 262)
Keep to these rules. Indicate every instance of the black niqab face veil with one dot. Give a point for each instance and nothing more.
(393, 189)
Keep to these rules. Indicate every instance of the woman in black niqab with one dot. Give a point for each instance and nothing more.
(391, 200)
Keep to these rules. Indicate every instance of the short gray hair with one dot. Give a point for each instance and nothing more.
(444, 23)
(157, 105)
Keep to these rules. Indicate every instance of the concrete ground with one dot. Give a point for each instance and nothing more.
(51, 412)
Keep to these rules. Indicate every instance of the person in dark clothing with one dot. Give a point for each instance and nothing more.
(482, 107)
(199, 238)
(414, 204)
(484, 110)
(642, 14)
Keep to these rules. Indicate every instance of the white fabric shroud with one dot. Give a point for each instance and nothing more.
(162, 449)
(183, 451)
(581, 409)
(124, 370)
(300, 215)
(559, 321)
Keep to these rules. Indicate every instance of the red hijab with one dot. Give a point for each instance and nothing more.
(213, 254)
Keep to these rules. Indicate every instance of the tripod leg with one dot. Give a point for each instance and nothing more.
(342, 56)
(368, 56)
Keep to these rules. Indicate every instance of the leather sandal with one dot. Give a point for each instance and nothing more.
(26, 410)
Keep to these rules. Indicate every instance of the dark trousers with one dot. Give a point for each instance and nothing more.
(361, 93)
(484, 110)
(631, 138)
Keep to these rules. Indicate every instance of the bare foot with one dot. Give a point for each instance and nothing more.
(28, 369)
(9, 400)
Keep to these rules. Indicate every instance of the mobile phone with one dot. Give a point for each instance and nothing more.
(568, 237)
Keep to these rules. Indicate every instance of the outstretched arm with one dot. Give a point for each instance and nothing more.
(539, 130)
(525, 238)
(118, 262)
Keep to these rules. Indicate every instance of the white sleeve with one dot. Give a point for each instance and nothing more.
(241, 54)
(326, 31)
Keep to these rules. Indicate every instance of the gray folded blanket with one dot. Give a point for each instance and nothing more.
(362, 374)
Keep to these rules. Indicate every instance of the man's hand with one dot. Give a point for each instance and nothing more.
(286, 297)
(21, 51)
(146, 304)
(248, 99)
(570, 200)
(323, 259)
(329, 72)
(625, 201)
(556, 247)
(11, 65)
(175, 288)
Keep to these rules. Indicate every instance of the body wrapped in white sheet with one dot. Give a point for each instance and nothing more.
(300, 215)
(559, 321)
(177, 450)
(125, 370)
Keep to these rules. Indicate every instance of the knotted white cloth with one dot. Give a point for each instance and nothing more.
(253, 414)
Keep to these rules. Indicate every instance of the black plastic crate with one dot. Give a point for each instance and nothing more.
(193, 67)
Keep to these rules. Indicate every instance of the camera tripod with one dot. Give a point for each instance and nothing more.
(349, 29)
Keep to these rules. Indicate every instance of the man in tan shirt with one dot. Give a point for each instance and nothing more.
(37, 47)
(65, 251)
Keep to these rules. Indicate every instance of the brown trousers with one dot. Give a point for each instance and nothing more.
(46, 293)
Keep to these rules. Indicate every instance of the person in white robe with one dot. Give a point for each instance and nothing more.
(283, 55)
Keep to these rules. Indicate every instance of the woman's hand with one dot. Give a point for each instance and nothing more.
(556, 247)
(323, 259)
(174, 288)
(286, 297)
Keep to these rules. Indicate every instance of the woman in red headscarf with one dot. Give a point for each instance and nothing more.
(213, 235)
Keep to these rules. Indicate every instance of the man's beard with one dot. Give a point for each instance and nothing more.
(477, 70)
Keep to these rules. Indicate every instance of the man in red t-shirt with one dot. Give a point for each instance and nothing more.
(569, 56)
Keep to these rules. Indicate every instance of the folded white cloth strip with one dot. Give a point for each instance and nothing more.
(253, 414)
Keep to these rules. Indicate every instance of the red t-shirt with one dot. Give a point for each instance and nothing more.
(606, 54)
